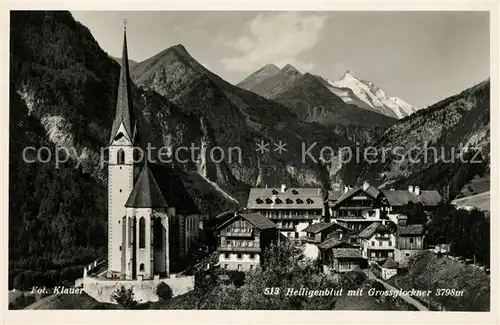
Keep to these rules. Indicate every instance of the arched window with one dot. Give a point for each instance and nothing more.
(158, 234)
(120, 157)
(141, 267)
(142, 233)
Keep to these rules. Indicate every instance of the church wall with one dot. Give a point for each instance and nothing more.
(120, 184)
(144, 291)
(144, 255)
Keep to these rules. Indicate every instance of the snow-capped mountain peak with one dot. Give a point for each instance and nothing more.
(367, 95)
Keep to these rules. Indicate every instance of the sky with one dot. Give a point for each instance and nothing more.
(420, 57)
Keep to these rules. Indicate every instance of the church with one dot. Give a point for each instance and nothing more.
(151, 221)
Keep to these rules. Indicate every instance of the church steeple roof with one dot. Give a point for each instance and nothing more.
(124, 111)
(146, 192)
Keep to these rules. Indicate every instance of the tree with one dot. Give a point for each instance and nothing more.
(164, 291)
(124, 297)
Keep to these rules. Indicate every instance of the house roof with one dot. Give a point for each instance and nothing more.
(331, 243)
(372, 229)
(146, 192)
(254, 218)
(390, 264)
(371, 191)
(309, 198)
(318, 227)
(404, 197)
(411, 230)
(347, 253)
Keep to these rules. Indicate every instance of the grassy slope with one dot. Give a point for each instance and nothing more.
(447, 273)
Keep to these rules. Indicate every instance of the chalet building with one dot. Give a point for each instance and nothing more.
(344, 259)
(358, 207)
(320, 231)
(378, 242)
(400, 202)
(326, 249)
(243, 238)
(291, 209)
(409, 241)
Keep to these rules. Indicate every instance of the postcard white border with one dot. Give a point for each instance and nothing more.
(253, 317)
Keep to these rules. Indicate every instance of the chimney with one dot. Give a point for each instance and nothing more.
(410, 189)
(417, 190)
(266, 185)
(319, 191)
(383, 221)
(392, 188)
(365, 185)
(283, 187)
(346, 189)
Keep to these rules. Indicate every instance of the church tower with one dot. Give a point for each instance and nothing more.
(121, 167)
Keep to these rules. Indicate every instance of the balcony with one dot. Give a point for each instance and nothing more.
(245, 233)
(229, 248)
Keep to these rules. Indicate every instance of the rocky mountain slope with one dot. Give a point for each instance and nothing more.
(310, 97)
(446, 145)
(270, 82)
(242, 118)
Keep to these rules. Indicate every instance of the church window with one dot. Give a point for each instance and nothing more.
(158, 234)
(142, 233)
(120, 157)
(141, 267)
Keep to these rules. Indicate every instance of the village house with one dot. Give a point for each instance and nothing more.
(401, 202)
(243, 238)
(320, 231)
(409, 241)
(345, 259)
(378, 242)
(291, 209)
(389, 268)
(358, 207)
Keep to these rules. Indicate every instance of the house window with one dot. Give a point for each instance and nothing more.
(228, 242)
(411, 240)
(250, 244)
(251, 267)
(120, 157)
(289, 234)
(390, 254)
(296, 235)
(390, 243)
(252, 256)
(278, 201)
(380, 243)
(142, 233)
(240, 267)
(226, 266)
(407, 254)
(239, 256)
(373, 254)
(141, 267)
(373, 243)
(226, 256)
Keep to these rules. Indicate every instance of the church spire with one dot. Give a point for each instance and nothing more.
(124, 112)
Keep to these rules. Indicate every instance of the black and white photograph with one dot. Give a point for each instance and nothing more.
(249, 160)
